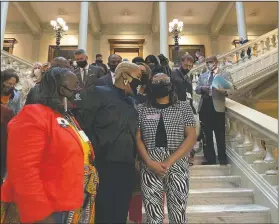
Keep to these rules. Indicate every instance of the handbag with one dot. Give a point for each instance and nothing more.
(9, 213)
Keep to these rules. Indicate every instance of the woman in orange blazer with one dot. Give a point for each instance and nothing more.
(49, 158)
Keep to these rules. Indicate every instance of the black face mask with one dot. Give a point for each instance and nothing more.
(74, 93)
(99, 61)
(82, 64)
(185, 71)
(135, 84)
(6, 90)
(112, 67)
(160, 90)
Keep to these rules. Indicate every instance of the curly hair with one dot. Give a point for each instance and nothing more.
(49, 94)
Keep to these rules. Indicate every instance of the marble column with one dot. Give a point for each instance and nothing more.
(214, 44)
(4, 13)
(83, 24)
(164, 48)
(241, 21)
(36, 48)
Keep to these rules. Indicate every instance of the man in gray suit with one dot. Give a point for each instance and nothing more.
(212, 110)
(87, 74)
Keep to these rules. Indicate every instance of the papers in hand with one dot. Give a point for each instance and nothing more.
(219, 82)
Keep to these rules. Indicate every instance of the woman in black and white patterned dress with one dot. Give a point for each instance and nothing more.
(165, 137)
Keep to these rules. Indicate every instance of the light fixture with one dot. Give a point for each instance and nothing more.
(60, 27)
(175, 29)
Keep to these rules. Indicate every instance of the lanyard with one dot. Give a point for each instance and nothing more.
(70, 118)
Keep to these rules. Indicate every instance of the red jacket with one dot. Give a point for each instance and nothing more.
(45, 165)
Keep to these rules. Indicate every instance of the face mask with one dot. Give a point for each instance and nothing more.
(135, 84)
(112, 68)
(99, 61)
(185, 71)
(7, 90)
(211, 66)
(82, 64)
(37, 73)
(160, 90)
(74, 93)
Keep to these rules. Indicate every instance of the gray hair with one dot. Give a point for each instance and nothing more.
(80, 51)
(124, 67)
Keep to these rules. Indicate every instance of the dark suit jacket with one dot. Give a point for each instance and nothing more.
(105, 80)
(93, 74)
(32, 96)
(182, 84)
(6, 115)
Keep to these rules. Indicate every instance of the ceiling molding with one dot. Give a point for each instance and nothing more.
(17, 28)
(29, 15)
(252, 30)
(126, 29)
(155, 26)
(94, 17)
(219, 17)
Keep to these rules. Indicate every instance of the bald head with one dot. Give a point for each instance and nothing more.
(60, 62)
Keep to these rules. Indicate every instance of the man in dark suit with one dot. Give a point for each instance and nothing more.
(109, 79)
(99, 63)
(87, 74)
(182, 81)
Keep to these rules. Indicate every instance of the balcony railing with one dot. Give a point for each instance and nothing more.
(248, 60)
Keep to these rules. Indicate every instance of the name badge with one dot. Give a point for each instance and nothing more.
(83, 136)
(188, 95)
(153, 116)
(62, 122)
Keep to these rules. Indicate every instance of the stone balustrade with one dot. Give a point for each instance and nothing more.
(21, 66)
(253, 136)
(248, 62)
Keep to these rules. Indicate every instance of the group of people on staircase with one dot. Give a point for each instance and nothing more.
(72, 150)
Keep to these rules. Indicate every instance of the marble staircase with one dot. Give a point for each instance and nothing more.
(216, 196)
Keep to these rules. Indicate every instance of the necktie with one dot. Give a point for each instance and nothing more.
(84, 76)
(210, 80)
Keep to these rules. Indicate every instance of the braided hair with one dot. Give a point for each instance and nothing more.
(49, 94)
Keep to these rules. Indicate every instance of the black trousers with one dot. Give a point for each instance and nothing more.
(115, 191)
(213, 121)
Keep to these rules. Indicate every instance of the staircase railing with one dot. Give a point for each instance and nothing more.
(22, 67)
(242, 54)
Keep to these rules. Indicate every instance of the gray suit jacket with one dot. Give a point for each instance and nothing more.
(219, 99)
(93, 74)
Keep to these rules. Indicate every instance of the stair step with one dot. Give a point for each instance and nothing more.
(209, 170)
(224, 214)
(201, 182)
(228, 214)
(218, 196)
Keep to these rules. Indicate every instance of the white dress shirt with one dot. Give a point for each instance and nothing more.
(82, 70)
(112, 77)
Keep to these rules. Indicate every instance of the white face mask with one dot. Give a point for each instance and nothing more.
(37, 72)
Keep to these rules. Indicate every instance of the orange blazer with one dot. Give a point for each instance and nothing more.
(45, 164)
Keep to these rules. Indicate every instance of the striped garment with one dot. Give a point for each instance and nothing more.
(175, 184)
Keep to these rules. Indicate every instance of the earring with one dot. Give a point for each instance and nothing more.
(125, 82)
